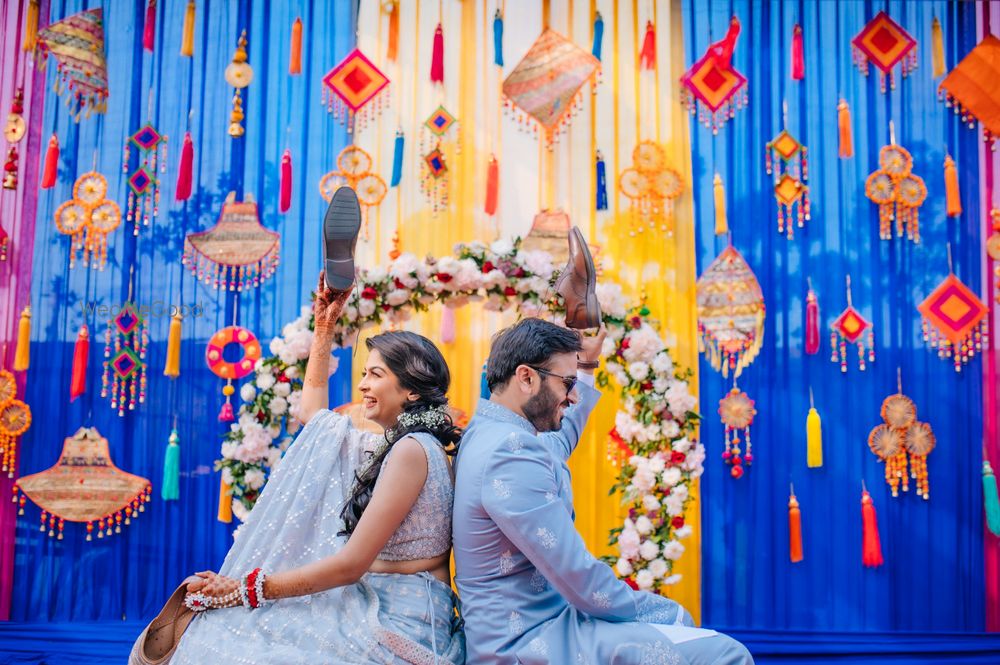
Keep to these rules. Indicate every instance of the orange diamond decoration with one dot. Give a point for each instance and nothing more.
(851, 325)
(884, 43)
(785, 145)
(788, 190)
(355, 80)
(953, 310)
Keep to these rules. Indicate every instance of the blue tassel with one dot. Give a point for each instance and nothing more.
(498, 39)
(991, 502)
(602, 183)
(170, 487)
(598, 35)
(397, 159)
(484, 388)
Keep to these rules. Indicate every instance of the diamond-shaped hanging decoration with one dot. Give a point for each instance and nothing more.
(884, 43)
(953, 309)
(714, 82)
(125, 363)
(436, 164)
(788, 190)
(851, 325)
(440, 121)
(127, 319)
(146, 138)
(356, 80)
(140, 181)
(785, 145)
(971, 88)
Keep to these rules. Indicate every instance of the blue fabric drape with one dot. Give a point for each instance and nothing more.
(130, 575)
(933, 576)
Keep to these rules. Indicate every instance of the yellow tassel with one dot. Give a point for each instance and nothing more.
(814, 439)
(30, 27)
(953, 202)
(225, 502)
(187, 38)
(844, 125)
(721, 226)
(173, 365)
(937, 48)
(295, 57)
(22, 350)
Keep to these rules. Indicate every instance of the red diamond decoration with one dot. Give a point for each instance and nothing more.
(125, 363)
(146, 138)
(712, 84)
(851, 325)
(884, 42)
(127, 319)
(435, 162)
(356, 80)
(953, 309)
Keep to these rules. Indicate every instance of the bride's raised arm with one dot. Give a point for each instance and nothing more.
(326, 311)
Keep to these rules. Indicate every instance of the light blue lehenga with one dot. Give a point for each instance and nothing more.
(382, 619)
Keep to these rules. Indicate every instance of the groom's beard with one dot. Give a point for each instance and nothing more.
(543, 410)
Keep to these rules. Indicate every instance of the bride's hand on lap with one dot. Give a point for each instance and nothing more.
(327, 306)
(214, 586)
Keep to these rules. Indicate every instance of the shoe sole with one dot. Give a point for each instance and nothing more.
(341, 226)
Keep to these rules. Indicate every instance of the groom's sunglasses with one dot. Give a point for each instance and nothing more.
(568, 381)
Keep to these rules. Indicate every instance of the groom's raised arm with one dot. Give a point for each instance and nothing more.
(564, 440)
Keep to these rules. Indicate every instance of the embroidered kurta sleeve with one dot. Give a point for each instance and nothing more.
(563, 442)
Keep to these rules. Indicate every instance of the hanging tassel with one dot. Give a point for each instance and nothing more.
(871, 552)
(397, 159)
(721, 227)
(226, 412)
(392, 50)
(498, 39)
(184, 174)
(798, 55)
(484, 387)
(492, 185)
(225, 502)
(437, 56)
(794, 528)
(149, 30)
(812, 323)
(172, 368)
(814, 436)
(647, 57)
(31, 27)
(170, 487)
(187, 36)
(953, 201)
(448, 325)
(991, 502)
(295, 55)
(602, 183)
(81, 351)
(937, 49)
(22, 350)
(844, 125)
(285, 189)
(51, 163)
(598, 35)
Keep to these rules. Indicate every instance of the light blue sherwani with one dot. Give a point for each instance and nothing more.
(531, 592)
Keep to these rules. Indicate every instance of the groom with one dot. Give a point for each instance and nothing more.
(531, 592)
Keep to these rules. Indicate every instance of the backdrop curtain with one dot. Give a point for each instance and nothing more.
(932, 579)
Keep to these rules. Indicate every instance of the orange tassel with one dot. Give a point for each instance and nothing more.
(187, 33)
(225, 502)
(871, 549)
(393, 47)
(295, 59)
(844, 125)
(794, 529)
(172, 367)
(953, 201)
(31, 27)
(78, 382)
(492, 184)
(22, 351)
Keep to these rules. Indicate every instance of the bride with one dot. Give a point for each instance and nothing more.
(345, 557)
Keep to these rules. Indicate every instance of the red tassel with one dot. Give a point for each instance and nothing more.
(647, 57)
(78, 380)
(285, 200)
(812, 323)
(51, 163)
(871, 553)
(723, 49)
(492, 184)
(149, 33)
(437, 56)
(183, 190)
(226, 413)
(798, 56)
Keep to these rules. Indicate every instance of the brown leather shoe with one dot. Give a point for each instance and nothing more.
(157, 643)
(577, 284)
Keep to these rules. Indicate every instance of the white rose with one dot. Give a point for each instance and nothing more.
(618, 372)
(276, 346)
(644, 579)
(608, 347)
(673, 550)
(611, 299)
(228, 450)
(258, 364)
(649, 550)
(661, 385)
(643, 525)
(670, 429)
(656, 464)
(673, 579)
(397, 297)
(254, 478)
(292, 372)
(265, 381)
(247, 392)
(683, 532)
(671, 476)
(650, 502)
(658, 567)
(623, 567)
(375, 274)
(366, 308)
(674, 505)
(662, 364)
(273, 458)
(240, 511)
(638, 370)
(282, 389)
(502, 247)
(227, 475)
(278, 406)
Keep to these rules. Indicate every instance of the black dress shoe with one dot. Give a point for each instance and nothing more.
(341, 225)
(577, 285)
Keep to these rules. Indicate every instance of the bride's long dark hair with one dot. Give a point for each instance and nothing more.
(419, 367)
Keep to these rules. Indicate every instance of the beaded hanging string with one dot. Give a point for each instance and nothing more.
(124, 378)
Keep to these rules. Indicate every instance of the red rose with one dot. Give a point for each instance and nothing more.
(519, 272)
(260, 416)
(386, 308)
(636, 322)
(677, 522)
(444, 277)
(648, 385)
(369, 293)
(629, 581)
(677, 457)
(510, 291)
(488, 266)
(626, 343)
(282, 378)
(399, 284)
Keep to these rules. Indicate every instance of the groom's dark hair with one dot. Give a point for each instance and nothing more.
(527, 342)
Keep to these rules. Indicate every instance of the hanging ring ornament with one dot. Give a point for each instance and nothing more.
(242, 367)
(15, 418)
(899, 411)
(885, 442)
(895, 160)
(239, 74)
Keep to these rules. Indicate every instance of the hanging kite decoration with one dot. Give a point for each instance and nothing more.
(970, 88)
(730, 313)
(884, 43)
(851, 328)
(435, 180)
(355, 91)
(903, 434)
(993, 249)
(15, 419)
(77, 44)
(88, 218)
(737, 410)
(712, 86)
(125, 364)
(651, 186)
(791, 169)
(84, 486)
(143, 183)
(544, 91)
(897, 191)
(354, 169)
(954, 321)
(239, 74)
(235, 254)
(231, 370)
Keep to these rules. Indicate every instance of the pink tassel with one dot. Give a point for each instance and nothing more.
(448, 325)
(798, 57)
(285, 200)
(647, 57)
(51, 163)
(812, 323)
(492, 184)
(149, 33)
(226, 413)
(437, 56)
(183, 190)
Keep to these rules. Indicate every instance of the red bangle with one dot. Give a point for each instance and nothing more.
(252, 588)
